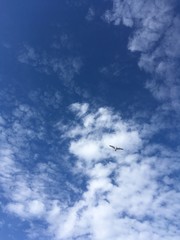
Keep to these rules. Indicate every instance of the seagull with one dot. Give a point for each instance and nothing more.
(116, 148)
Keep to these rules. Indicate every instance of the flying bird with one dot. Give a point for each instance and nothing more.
(116, 148)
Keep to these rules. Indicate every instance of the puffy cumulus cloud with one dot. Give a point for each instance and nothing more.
(125, 196)
(34, 208)
(130, 194)
(92, 137)
(85, 149)
(155, 27)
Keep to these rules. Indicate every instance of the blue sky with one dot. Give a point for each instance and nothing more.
(76, 76)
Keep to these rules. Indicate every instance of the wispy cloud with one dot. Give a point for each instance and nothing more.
(90, 14)
(65, 67)
(29, 56)
(47, 99)
(155, 27)
(63, 41)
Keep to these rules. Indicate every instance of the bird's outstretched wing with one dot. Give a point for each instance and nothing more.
(118, 148)
(112, 146)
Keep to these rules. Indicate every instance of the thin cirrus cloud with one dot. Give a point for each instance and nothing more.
(90, 14)
(64, 67)
(155, 34)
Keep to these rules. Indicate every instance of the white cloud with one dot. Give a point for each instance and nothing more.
(155, 27)
(124, 199)
(27, 209)
(130, 194)
(36, 207)
(24, 199)
(17, 208)
(86, 149)
(100, 130)
(80, 108)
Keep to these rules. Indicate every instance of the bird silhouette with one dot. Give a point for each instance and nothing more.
(116, 148)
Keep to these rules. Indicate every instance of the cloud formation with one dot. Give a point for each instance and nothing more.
(132, 194)
(127, 189)
(155, 34)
